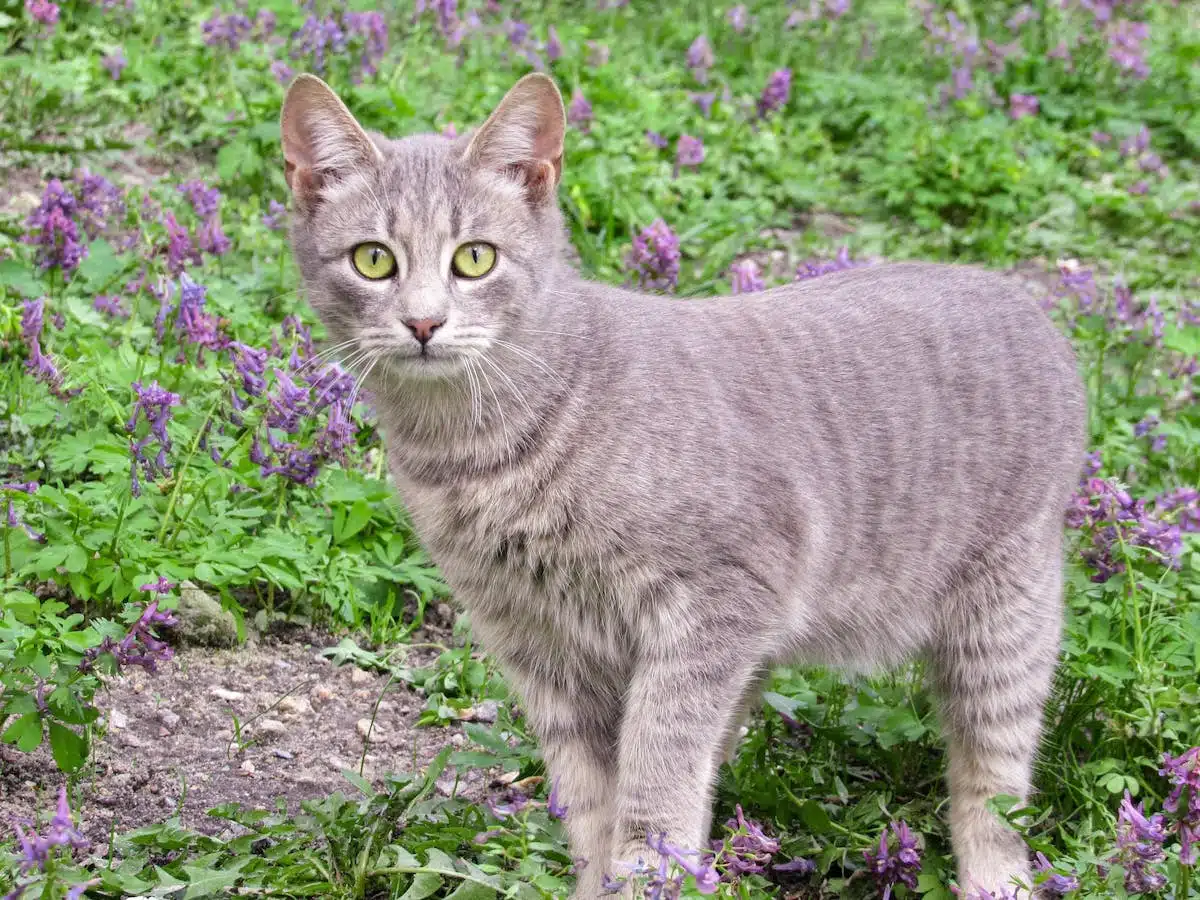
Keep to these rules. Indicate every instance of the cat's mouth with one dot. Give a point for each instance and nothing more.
(428, 362)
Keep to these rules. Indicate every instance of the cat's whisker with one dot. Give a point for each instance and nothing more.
(475, 414)
(532, 358)
(512, 385)
(499, 405)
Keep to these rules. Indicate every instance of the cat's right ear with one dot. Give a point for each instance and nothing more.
(523, 137)
(322, 141)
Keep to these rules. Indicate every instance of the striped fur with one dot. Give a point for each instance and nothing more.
(644, 503)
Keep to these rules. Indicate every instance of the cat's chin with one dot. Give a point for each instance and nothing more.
(424, 368)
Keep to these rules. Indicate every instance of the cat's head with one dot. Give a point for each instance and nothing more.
(427, 249)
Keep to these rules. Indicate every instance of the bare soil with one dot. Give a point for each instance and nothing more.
(266, 721)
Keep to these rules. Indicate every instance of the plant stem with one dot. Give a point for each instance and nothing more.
(162, 531)
(112, 547)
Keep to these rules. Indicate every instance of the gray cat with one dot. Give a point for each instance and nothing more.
(645, 503)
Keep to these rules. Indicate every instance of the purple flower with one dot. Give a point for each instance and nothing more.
(700, 58)
(13, 518)
(895, 865)
(161, 586)
(315, 38)
(180, 249)
(1183, 803)
(1101, 138)
(1022, 105)
(264, 24)
(748, 850)
(1054, 884)
(154, 404)
(1137, 143)
(228, 30)
(99, 200)
(657, 140)
(35, 848)
(1139, 188)
(39, 365)
(110, 304)
(797, 866)
(371, 27)
(139, 646)
(579, 111)
(554, 47)
(199, 327)
(745, 277)
(597, 54)
(704, 101)
(53, 231)
(1125, 46)
(1185, 502)
(840, 262)
(1117, 521)
(654, 257)
(281, 71)
(1061, 51)
(42, 11)
(1139, 845)
(507, 804)
(689, 151)
(775, 94)
(205, 201)
(275, 216)
(1025, 13)
(554, 805)
(212, 239)
(115, 63)
(701, 869)
(738, 18)
(516, 31)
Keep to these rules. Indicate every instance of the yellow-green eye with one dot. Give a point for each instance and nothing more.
(373, 261)
(473, 260)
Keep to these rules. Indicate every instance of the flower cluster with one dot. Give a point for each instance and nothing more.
(1053, 883)
(1125, 39)
(43, 11)
(372, 29)
(840, 262)
(139, 647)
(36, 848)
(700, 58)
(1022, 105)
(12, 517)
(1183, 803)
(275, 216)
(745, 277)
(206, 202)
(114, 63)
(507, 804)
(775, 94)
(654, 257)
(1139, 846)
(689, 151)
(896, 861)
(198, 327)
(154, 403)
(1117, 520)
(316, 38)
(579, 111)
(52, 229)
(748, 851)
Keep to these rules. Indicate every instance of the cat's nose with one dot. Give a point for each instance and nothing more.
(423, 329)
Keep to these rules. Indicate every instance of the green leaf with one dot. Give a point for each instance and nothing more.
(424, 884)
(210, 882)
(101, 264)
(17, 275)
(348, 523)
(70, 749)
(472, 890)
(25, 732)
(238, 159)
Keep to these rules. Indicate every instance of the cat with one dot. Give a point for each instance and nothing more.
(644, 502)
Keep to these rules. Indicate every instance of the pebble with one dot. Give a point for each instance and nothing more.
(283, 754)
(458, 739)
(320, 695)
(169, 718)
(367, 733)
(121, 779)
(247, 767)
(228, 696)
(270, 729)
(118, 719)
(294, 706)
(487, 711)
(361, 676)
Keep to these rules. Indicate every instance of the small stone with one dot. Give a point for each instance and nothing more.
(202, 621)
(487, 711)
(283, 754)
(247, 767)
(169, 718)
(283, 664)
(121, 779)
(446, 786)
(446, 613)
(131, 741)
(228, 696)
(320, 695)
(293, 706)
(458, 739)
(224, 734)
(360, 676)
(118, 719)
(270, 729)
(368, 733)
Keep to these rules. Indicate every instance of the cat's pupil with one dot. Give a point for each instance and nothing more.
(375, 256)
(474, 254)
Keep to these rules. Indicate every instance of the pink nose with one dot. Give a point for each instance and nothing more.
(423, 329)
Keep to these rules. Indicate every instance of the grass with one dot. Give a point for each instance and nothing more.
(872, 149)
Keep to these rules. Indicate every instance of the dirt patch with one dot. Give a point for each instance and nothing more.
(173, 748)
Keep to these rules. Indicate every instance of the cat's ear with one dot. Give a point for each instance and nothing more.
(322, 141)
(523, 138)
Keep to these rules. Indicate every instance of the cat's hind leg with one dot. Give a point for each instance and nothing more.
(994, 667)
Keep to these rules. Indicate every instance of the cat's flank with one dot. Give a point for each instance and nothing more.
(646, 502)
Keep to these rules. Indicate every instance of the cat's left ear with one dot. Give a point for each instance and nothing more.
(322, 141)
(523, 137)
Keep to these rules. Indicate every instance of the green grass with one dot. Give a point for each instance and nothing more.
(867, 141)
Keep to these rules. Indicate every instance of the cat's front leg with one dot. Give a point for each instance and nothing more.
(577, 726)
(679, 708)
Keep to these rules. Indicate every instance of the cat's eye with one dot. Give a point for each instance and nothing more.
(473, 260)
(373, 261)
